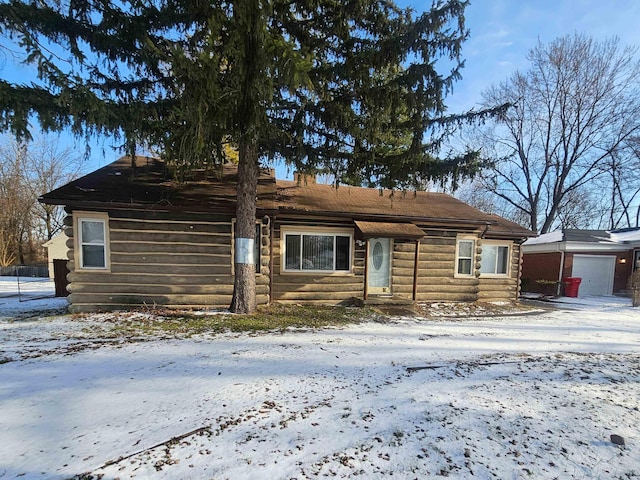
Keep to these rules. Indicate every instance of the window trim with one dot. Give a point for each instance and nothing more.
(78, 218)
(472, 273)
(497, 244)
(320, 231)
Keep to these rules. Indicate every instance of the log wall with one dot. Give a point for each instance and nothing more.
(186, 261)
(502, 289)
(436, 270)
(436, 274)
(317, 288)
(161, 259)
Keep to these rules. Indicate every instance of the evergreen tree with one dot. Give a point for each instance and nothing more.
(348, 87)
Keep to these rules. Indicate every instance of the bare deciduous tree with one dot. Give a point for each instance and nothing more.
(15, 204)
(26, 172)
(622, 175)
(574, 110)
(49, 166)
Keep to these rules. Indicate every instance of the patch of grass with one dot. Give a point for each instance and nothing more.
(278, 317)
(272, 318)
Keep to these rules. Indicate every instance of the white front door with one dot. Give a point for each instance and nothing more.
(379, 267)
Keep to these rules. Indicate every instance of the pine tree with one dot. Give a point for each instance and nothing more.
(347, 87)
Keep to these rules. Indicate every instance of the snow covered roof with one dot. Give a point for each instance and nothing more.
(627, 235)
(604, 238)
(551, 237)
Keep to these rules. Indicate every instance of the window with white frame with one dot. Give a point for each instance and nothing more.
(465, 257)
(495, 260)
(325, 252)
(92, 241)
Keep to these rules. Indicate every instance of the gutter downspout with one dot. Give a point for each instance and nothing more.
(271, 243)
(365, 294)
(561, 270)
(519, 285)
(415, 271)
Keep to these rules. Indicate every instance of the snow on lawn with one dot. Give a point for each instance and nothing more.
(530, 396)
(27, 296)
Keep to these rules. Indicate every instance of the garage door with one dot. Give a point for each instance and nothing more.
(596, 272)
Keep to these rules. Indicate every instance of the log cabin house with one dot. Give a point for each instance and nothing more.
(144, 239)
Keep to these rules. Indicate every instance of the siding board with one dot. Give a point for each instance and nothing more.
(166, 227)
(170, 237)
(170, 248)
(156, 279)
(157, 289)
(163, 268)
(312, 287)
(171, 259)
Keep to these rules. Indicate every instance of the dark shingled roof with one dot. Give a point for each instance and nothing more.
(388, 230)
(371, 203)
(115, 187)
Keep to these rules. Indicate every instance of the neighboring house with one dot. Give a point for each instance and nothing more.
(145, 239)
(603, 260)
(56, 250)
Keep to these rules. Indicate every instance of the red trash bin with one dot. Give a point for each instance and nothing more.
(571, 286)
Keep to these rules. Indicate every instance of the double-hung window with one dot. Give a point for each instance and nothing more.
(323, 252)
(495, 260)
(92, 241)
(465, 257)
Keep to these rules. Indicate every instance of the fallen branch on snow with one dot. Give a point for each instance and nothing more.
(478, 364)
(172, 440)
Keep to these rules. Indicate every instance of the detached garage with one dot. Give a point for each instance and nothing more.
(603, 260)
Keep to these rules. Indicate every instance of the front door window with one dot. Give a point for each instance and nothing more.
(379, 271)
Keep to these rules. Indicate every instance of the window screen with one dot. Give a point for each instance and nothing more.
(317, 252)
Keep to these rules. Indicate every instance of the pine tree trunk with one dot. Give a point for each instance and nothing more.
(244, 284)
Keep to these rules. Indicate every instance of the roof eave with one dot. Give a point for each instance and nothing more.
(576, 247)
(383, 217)
(435, 221)
(91, 205)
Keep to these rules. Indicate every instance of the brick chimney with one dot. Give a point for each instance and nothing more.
(304, 178)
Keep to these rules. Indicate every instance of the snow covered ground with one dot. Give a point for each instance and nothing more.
(21, 296)
(529, 396)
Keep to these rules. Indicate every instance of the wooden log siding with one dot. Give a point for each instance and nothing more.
(163, 261)
(436, 269)
(502, 289)
(316, 288)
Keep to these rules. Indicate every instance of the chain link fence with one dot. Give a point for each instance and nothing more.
(25, 282)
(24, 271)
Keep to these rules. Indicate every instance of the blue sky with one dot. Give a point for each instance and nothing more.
(502, 32)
